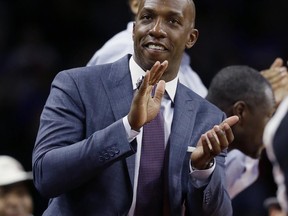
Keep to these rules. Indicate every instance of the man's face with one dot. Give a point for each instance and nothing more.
(162, 31)
(256, 120)
(15, 200)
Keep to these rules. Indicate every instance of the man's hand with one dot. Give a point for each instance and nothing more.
(278, 77)
(212, 143)
(145, 106)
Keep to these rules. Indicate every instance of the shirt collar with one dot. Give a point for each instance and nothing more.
(136, 72)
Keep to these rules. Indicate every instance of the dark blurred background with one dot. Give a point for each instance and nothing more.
(40, 38)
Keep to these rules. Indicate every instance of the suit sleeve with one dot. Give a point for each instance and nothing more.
(63, 157)
(212, 199)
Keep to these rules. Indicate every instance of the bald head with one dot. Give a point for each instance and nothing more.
(168, 25)
(187, 4)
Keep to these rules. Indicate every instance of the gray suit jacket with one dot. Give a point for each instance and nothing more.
(84, 163)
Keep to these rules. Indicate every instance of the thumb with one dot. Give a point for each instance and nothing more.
(232, 120)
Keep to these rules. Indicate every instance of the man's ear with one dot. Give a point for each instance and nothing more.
(192, 38)
(134, 4)
(240, 109)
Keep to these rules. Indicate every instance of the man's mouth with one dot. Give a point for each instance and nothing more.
(157, 47)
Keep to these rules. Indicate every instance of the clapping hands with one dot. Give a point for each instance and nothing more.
(212, 143)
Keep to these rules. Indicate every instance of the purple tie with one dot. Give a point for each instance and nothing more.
(150, 181)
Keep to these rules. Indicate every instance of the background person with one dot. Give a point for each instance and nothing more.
(241, 90)
(15, 194)
(275, 139)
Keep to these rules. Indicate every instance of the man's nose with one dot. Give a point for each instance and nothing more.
(158, 28)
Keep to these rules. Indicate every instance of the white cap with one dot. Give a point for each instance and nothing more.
(11, 171)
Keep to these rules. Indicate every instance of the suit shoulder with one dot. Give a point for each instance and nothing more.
(204, 105)
(96, 71)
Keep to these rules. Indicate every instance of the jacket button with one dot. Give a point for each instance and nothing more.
(106, 156)
(101, 159)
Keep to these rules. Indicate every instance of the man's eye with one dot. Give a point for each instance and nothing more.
(174, 21)
(146, 17)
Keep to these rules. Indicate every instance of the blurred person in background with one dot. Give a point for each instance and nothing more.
(241, 90)
(273, 207)
(275, 139)
(264, 187)
(15, 194)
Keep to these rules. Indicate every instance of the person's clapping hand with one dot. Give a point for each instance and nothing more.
(277, 75)
(212, 143)
(145, 106)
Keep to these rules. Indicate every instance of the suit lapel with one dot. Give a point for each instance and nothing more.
(120, 93)
(183, 122)
(181, 132)
(118, 86)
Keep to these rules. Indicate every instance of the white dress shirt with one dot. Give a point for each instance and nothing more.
(200, 176)
(241, 171)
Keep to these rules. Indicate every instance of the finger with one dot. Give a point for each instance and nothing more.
(144, 87)
(278, 62)
(272, 74)
(269, 73)
(283, 70)
(163, 68)
(280, 84)
(232, 120)
(157, 71)
(215, 143)
(160, 71)
(228, 133)
(222, 137)
(159, 91)
(165, 64)
(275, 75)
(285, 81)
(277, 85)
(206, 144)
(154, 74)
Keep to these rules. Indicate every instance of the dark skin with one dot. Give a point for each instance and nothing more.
(249, 130)
(162, 31)
(278, 77)
(15, 200)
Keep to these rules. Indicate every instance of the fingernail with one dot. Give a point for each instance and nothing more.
(216, 128)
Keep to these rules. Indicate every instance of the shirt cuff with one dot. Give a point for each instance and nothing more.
(202, 174)
(200, 178)
(131, 134)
